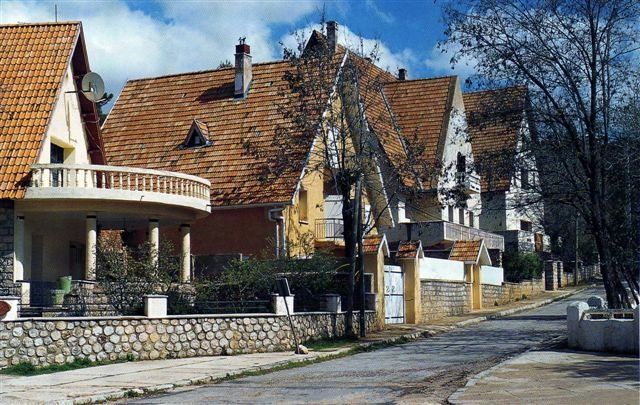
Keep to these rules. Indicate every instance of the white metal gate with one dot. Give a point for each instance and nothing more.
(393, 294)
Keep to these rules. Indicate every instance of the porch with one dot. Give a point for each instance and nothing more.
(65, 208)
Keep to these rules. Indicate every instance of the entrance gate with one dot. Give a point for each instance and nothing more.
(393, 294)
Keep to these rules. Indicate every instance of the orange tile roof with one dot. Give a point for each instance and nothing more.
(371, 243)
(421, 109)
(33, 61)
(494, 119)
(465, 250)
(408, 249)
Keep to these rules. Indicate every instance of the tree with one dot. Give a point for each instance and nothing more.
(99, 104)
(579, 60)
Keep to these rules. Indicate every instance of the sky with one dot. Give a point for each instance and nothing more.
(134, 39)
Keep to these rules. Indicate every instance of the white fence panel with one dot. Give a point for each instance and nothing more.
(441, 269)
(491, 275)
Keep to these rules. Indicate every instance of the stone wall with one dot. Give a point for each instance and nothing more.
(45, 341)
(444, 298)
(507, 292)
(7, 286)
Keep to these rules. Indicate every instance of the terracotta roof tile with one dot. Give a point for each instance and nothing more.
(33, 61)
(420, 108)
(371, 243)
(465, 250)
(494, 119)
(408, 249)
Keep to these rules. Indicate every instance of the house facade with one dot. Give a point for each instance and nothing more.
(500, 133)
(56, 193)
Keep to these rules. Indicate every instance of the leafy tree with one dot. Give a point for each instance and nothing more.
(105, 100)
(225, 64)
(521, 266)
(579, 60)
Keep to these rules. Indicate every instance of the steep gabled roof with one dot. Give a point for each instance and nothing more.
(421, 108)
(470, 251)
(495, 118)
(33, 61)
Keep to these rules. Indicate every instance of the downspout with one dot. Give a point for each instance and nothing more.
(275, 215)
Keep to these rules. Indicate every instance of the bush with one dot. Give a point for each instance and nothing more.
(521, 266)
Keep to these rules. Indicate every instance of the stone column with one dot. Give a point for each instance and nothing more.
(560, 269)
(550, 275)
(185, 264)
(92, 238)
(154, 240)
(18, 248)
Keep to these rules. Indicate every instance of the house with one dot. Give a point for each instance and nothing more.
(223, 125)
(500, 130)
(56, 193)
(431, 115)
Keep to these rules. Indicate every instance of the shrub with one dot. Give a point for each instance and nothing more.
(521, 266)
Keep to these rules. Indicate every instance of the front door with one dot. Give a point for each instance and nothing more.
(393, 294)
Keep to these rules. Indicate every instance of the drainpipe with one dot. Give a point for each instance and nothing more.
(275, 215)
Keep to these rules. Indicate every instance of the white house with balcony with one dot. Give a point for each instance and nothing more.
(56, 193)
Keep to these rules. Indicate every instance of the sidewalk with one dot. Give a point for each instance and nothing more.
(117, 381)
(556, 377)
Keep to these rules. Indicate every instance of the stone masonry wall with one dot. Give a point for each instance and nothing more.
(508, 292)
(444, 298)
(7, 286)
(45, 341)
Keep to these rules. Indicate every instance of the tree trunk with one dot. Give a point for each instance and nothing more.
(348, 219)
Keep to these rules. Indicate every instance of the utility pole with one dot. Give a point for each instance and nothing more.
(363, 297)
(575, 270)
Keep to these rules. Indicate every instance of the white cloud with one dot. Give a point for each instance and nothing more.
(385, 17)
(440, 63)
(387, 59)
(125, 43)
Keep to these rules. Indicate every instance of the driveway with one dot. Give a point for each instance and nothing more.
(427, 370)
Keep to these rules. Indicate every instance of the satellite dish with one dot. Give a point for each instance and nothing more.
(93, 86)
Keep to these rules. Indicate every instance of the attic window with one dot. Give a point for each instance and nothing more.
(198, 135)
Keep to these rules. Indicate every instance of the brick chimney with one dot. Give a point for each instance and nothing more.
(402, 74)
(332, 35)
(243, 69)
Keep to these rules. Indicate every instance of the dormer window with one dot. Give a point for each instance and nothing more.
(198, 135)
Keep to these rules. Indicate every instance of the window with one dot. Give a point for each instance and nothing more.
(461, 216)
(524, 178)
(197, 136)
(451, 213)
(471, 219)
(303, 209)
(461, 163)
(525, 226)
(56, 156)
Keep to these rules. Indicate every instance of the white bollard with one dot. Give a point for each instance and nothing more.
(574, 315)
(279, 307)
(155, 306)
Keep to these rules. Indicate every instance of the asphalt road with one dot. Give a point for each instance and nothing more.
(427, 370)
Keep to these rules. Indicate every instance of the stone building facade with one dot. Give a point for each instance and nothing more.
(7, 286)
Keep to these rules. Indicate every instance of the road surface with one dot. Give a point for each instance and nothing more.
(427, 370)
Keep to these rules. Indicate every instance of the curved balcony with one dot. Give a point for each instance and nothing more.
(115, 184)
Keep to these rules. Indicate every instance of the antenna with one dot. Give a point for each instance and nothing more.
(55, 10)
(92, 87)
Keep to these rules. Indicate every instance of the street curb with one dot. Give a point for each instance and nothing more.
(125, 393)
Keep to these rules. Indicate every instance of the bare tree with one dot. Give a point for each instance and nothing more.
(578, 58)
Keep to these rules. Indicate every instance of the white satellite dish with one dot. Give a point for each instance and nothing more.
(93, 86)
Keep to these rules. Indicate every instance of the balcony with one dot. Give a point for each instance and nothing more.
(329, 229)
(527, 241)
(119, 185)
(433, 232)
(470, 182)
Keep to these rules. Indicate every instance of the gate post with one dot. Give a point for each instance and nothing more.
(408, 256)
(374, 264)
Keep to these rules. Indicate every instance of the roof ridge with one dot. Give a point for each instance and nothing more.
(514, 87)
(196, 72)
(45, 23)
(422, 79)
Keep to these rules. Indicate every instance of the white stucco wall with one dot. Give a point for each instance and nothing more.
(441, 269)
(491, 275)
(65, 127)
(457, 140)
(494, 214)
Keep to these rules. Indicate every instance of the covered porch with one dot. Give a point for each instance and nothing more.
(66, 207)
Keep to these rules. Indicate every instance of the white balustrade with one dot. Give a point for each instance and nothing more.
(119, 178)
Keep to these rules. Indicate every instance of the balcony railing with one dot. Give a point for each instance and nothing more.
(453, 231)
(64, 176)
(470, 181)
(329, 228)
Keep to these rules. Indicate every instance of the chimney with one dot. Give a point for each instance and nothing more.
(332, 35)
(243, 69)
(402, 74)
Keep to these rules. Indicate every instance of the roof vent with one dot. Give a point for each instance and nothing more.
(243, 69)
(198, 135)
(402, 74)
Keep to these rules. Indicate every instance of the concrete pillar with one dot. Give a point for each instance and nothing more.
(279, 306)
(12, 313)
(412, 295)
(185, 263)
(574, 315)
(18, 248)
(154, 240)
(333, 303)
(550, 275)
(155, 306)
(560, 269)
(91, 245)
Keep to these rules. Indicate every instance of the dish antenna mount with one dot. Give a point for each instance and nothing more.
(92, 87)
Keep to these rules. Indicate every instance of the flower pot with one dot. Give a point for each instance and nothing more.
(57, 297)
(64, 283)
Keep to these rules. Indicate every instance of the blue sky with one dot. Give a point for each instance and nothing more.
(132, 39)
